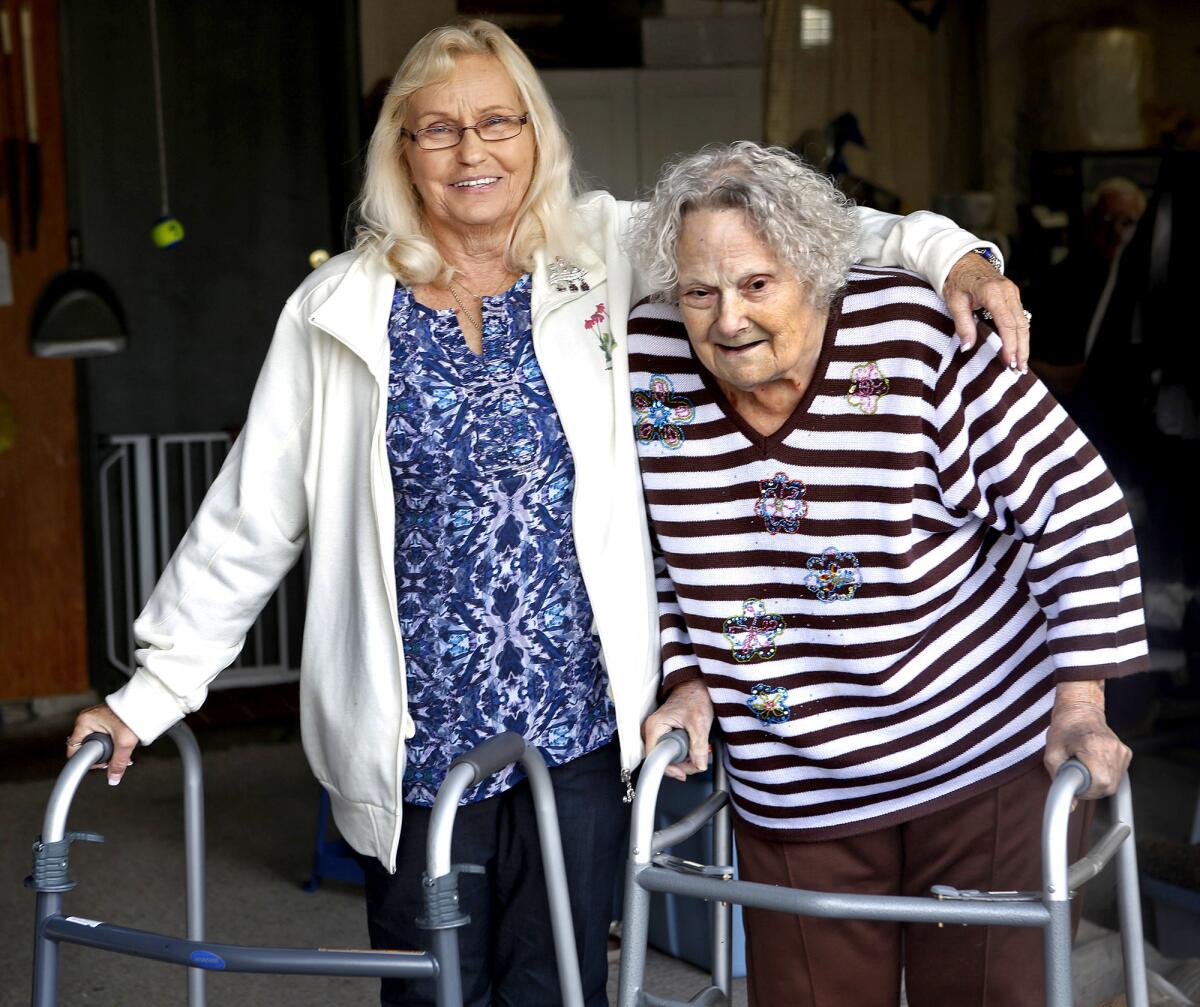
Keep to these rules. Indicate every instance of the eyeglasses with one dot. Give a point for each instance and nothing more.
(442, 136)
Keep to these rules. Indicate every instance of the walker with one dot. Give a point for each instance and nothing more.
(51, 878)
(649, 869)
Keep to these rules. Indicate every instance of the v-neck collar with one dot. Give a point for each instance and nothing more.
(456, 345)
(767, 443)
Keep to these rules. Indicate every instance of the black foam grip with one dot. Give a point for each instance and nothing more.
(105, 740)
(493, 755)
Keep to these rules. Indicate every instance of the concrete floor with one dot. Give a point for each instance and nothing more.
(260, 808)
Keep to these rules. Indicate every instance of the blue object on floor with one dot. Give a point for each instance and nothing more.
(682, 927)
(1176, 915)
(332, 858)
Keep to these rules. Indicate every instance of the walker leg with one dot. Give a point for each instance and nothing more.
(1057, 943)
(722, 928)
(634, 933)
(193, 838)
(1072, 778)
(45, 953)
(555, 871)
(1129, 904)
(449, 975)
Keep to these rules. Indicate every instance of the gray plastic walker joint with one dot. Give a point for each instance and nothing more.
(52, 862)
(442, 911)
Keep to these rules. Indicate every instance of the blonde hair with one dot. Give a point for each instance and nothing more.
(391, 223)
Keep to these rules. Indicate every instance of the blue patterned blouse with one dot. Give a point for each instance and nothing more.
(496, 621)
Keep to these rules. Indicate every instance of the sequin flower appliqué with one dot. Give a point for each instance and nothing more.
(752, 634)
(598, 325)
(769, 703)
(661, 414)
(781, 503)
(833, 576)
(868, 384)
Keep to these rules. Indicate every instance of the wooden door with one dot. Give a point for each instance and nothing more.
(42, 619)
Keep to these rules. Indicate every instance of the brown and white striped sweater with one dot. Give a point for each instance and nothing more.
(881, 595)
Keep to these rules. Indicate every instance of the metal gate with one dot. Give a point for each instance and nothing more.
(149, 490)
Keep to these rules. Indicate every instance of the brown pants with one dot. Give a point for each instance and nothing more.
(991, 841)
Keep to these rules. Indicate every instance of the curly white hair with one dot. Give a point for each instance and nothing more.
(808, 224)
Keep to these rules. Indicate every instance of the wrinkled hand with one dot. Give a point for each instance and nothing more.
(689, 707)
(1079, 730)
(100, 719)
(973, 283)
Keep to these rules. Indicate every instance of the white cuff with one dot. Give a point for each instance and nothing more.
(147, 707)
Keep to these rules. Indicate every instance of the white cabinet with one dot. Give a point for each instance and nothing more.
(624, 124)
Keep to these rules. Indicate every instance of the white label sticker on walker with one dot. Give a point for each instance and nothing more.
(207, 960)
(80, 920)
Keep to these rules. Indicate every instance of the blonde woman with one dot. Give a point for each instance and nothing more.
(443, 416)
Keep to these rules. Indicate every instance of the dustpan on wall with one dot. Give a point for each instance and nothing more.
(77, 314)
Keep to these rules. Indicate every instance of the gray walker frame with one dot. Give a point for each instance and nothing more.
(51, 879)
(651, 870)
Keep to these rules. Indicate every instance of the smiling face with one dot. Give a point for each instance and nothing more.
(749, 318)
(476, 187)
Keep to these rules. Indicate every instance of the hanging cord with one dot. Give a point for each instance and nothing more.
(158, 111)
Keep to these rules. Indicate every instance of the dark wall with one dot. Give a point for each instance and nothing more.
(260, 110)
(261, 106)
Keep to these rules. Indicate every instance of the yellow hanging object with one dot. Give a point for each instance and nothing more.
(8, 425)
(167, 232)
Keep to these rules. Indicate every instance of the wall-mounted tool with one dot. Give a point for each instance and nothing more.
(77, 314)
(33, 148)
(6, 277)
(10, 127)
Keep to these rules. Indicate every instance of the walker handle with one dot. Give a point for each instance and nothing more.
(680, 737)
(493, 755)
(1086, 785)
(106, 743)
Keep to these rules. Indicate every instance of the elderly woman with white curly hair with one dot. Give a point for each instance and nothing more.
(897, 574)
(441, 415)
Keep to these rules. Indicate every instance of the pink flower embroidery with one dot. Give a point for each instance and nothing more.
(868, 385)
(752, 634)
(781, 503)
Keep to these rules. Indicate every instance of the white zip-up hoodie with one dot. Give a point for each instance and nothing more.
(311, 462)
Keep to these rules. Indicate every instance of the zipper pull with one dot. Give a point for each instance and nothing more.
(627, 780)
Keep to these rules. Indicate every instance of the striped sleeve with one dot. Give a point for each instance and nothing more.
(1009, 454)
(678, 659)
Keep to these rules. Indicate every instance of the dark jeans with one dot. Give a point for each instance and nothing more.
(507, 950)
